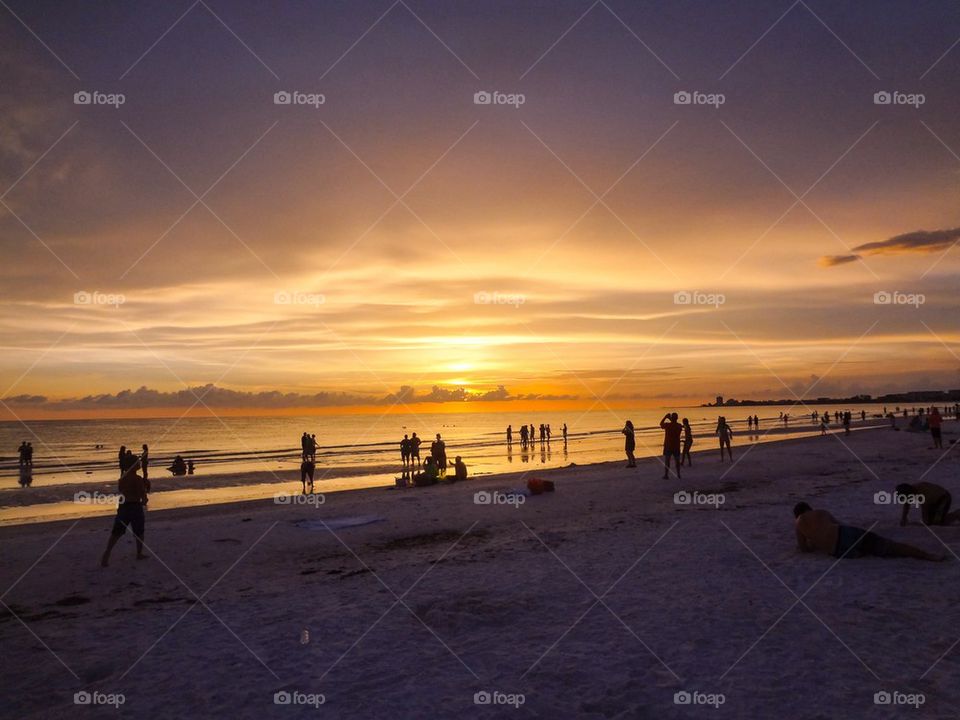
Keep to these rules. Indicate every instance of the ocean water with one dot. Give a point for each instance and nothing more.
(353, 450)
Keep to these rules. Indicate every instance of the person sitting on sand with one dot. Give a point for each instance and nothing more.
(307, 468)
(178, 466)
(459, 470)
(687, 443)
(133, 493)
(429, 474)
(725, 433)
(935, 420)
(672, 430)
(934, 502)
(630, 443)
(819, 531)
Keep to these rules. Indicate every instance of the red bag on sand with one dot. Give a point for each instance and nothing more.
(536, 486)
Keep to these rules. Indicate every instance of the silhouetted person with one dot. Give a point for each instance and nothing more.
(145, 461)
(121, 461)
(630, 443)
(687, 443)
(405, 450)
(441, 456)
(846, 423)
(936, 423)
(307, 468)
(178, 466)
(190, 467)
(934, 505)
(304, 446)
(24, 453)
(509, 434)
(672, 430)
(130, 513)
(523, 436)
(725, 432)
(819, 531)
(415, 443)
(459, 469)
(564, 433)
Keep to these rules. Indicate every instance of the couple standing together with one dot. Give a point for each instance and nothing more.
(677, 441)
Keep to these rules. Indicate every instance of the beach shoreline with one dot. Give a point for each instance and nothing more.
(57, 502)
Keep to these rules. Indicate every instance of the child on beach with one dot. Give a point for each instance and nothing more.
(933, 500)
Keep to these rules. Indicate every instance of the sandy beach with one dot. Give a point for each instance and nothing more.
(604, 599)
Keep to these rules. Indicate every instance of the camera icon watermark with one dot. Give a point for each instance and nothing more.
(315, 499)
(95, 97)
(499, 298)
(483, 97)
(685, 697)
(895, 297)
(82, 297)
(496, 697)
(895, 97)
(96, 697)
(295, 97)
(686, 297)
(883, 497)
(885, 697)
(695, 97)
(295, 697)
(294, 297)
(684, 497)
(498, 497)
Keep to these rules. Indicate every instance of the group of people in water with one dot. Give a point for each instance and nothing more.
(528, 435)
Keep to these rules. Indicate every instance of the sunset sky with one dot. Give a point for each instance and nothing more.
(399, 235)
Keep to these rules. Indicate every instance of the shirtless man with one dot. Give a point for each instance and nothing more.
(935, 506)
(819, 531)
(672, 430)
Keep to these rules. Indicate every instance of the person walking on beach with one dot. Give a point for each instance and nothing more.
(145, 461)
(819, 531)
(564, 433)
(687, 443)
(405, 450)
(509, 434)
(725, 433)
(933, 501)
(935, 420)
(630, 443)
(672, 430)
(130, 513)
(307, 468)
(415, 443)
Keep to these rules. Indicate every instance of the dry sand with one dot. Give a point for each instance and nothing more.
(602, 600)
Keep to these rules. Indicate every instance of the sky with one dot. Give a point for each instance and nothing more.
(662, 202)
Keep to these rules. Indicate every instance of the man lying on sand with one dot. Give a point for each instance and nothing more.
(819, 531)
(934, 507)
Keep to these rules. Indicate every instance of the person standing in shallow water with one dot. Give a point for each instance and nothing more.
(687, 443)
(630, 443)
